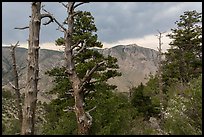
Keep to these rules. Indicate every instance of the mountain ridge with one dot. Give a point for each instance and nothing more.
(135, 64)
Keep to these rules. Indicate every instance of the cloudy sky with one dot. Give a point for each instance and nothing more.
(117, 22)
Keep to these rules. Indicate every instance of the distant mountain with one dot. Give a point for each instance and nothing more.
(48, 59)
(135, 63)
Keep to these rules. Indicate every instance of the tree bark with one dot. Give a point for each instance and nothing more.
(159, 68)
(32, 73)
(161, 95)
(16, 85)
(82, 119)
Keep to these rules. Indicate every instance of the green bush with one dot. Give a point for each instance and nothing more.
(11, 127)
(7, 94)
(183, 115)
(112, 116)
(143, 103)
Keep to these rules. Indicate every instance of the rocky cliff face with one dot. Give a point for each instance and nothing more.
(135, 63)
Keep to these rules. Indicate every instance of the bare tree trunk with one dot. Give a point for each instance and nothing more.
(160, 76)
(16, 84)
(159, 67)
(32, 73)
(82, 118)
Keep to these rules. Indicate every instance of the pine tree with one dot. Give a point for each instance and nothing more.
(92, 69)
(143, 102)
(183, 61)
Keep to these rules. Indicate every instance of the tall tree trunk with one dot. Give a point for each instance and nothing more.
(16, 84)
(32, 73)
(161, 95)
(159, 68)
(82, 119)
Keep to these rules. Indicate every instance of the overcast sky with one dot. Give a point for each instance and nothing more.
(117, 22)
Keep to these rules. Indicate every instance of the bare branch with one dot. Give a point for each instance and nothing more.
(70, 90)
(54, 19)
(89, 73)
(91, 109)
(60, 25)
(161, 32)
(14, 46)
(76, 45)
(71, 7)
(21, 28)
(92, 82)
(65, 5)
(69, 93)
(14, 87)
(49, 16)
(60, 29)
(76, 13)
(22, 67)
(75, 6)
(90, 119)
(20, 74)
(68, 109)
(81, 49)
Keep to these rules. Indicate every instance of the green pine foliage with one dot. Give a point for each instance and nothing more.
(110, 113)
(182, 77)
(144, 103)
(183, 61)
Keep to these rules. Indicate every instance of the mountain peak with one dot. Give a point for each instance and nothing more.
(130, 46)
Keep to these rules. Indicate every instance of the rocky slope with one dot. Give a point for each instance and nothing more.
(48, 60)
(135, 63)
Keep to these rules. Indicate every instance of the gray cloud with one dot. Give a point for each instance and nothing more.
(114, 20)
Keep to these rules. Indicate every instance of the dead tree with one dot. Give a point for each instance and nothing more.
(160, 68)
(16, 84)
(30, 101)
